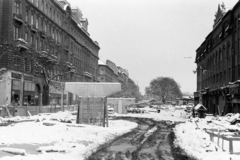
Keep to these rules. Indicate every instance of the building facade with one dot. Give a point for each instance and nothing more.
(218, 64)
(48, 25)
(106, 73)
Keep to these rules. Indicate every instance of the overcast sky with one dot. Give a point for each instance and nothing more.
(151, 38)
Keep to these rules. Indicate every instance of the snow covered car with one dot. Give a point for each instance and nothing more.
(148, 109)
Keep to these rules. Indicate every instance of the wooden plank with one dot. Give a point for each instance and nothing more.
(8, 111)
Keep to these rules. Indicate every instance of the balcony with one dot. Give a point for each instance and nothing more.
(33, 28)
(18, 18)
(66, 49)
(43, 34)
(69, 64)
(87, 74)
(51, 40)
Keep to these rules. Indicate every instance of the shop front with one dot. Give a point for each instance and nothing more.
(16, 89)
(23, 90)
(234, 106)
(29, 94)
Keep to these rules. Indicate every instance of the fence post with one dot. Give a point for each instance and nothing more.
(26, 110)
(81, 109)
(92, 107)
(105, 114)
(88, 107)
(78, 112)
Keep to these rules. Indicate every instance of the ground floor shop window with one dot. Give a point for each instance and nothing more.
(29, 94)
(16, 85)
(28, 100)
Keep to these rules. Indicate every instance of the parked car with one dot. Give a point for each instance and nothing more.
(148, 109)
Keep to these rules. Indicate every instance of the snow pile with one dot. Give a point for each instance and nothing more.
(192, 138)
(56, 140)
(176, 115)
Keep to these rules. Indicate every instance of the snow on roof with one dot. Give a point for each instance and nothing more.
(200, 107)
(101, 63)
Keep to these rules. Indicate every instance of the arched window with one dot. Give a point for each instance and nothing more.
(223, 52)
(228, 50)
(216, 58)
(220, 55)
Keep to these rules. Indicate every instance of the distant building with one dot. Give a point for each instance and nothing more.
(185, 100)
(122, 74)
(105, 73)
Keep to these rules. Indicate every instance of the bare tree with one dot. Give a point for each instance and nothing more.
(163, 88)
(46, 65)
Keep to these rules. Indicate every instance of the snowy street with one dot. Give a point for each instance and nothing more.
(47, 137)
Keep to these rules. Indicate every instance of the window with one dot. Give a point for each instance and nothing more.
(50, 30)
(54, 15)
(42, 5)
(29, 86)
(26, 16)
(41, 25)
(40, 44)
(17, 7)
(37, 3)
(16, 84)
(16, 32)
(53, 33)
(50, 12)
(37, 21)
(32, 16)
(36, 44)
(56, 36)
(46, 11)
(220, 55)
(30, 66)
(25, 64)
(59, 38)
(31, 39)
(45, 28)
(17, 62)
(26, 36)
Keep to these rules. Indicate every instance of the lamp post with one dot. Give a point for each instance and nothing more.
(201, 79)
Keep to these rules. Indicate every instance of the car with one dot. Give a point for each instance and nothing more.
(149, 109)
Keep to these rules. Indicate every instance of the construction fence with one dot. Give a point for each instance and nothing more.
(93, 111)
(6, 111)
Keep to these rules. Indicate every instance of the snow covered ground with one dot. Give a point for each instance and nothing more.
(193, 139)
(66, 140)
(45, 137)
(168, 115)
